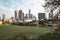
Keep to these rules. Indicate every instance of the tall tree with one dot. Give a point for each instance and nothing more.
(51, 5)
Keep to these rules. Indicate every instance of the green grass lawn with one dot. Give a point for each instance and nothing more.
(9, 31)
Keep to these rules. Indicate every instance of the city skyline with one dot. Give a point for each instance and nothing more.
(8, 6)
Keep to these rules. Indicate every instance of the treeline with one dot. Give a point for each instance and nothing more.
(25, 23)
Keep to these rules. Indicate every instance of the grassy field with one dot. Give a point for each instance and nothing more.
(9, 31)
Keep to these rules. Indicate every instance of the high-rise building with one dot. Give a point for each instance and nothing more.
(21, 15)
(16, 14)
(41, 16)
(3, 17)
(29, 13)
(28, 16)
(31, 16)
(0, 18)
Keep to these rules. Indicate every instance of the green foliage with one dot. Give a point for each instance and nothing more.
(43, 23)
(24, 23)
(58, 24)
(20, 23)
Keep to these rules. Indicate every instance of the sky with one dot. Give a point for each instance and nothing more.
(8, 7)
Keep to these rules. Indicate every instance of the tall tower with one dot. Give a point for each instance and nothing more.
(29, 13)
(3, 17)
(16, 14)
(0, 18)
(21, 15)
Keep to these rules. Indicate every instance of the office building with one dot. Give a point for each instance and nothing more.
(23, 16)
(28, 16)
(41, 16)
(20, 15)
(29, 13)
(31, 16)
(3, 17)
(16, 14)
(0, 18)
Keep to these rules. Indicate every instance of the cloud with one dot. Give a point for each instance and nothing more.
(4, 10)
(8, 7)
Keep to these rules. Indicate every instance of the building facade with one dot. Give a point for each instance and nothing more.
(3, 18)
(16, 14)
(20, 15)
(29, 13)
(41, 16)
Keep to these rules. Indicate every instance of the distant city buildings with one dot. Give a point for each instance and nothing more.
(0, 18)
(20, 15)
(41, 16)
(29, 13)
(26, 16)
(23, 16)
(16, 14)
(3, 18)
(29, 16)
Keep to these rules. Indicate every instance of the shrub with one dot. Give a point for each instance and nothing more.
(45, 24)
(20, 23)
(58, 24)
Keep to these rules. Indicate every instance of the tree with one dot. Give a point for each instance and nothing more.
(51, 2)
(51, 5)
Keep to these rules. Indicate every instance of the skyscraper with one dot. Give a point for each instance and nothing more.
(3, 17)
(26, 16)
(31, 16)
(21, 15)
(0, 18)
(29, 13)
(41, 16)
(16, 14)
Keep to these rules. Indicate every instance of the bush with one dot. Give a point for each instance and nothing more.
(58, 24)
(45, 24)
(24, 23)
(20, 23)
